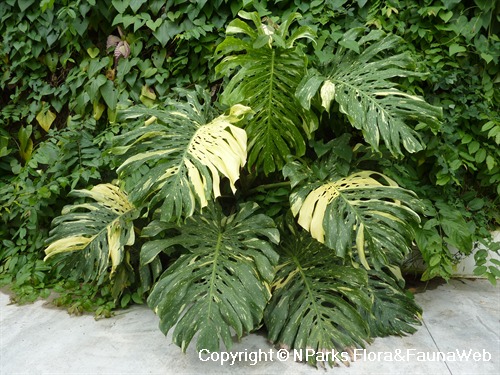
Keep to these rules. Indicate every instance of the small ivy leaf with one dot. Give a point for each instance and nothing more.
(93, 52)
(136, 4)
(109, 94)
(51, 61)
(455, 48)
(446, 16)
(45, 119)
(486, 57)
(120, 6)
(154, 25)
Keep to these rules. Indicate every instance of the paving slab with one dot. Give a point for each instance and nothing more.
(460, 320)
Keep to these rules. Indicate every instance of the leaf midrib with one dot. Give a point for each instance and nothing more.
(211, 293)
(310, 295)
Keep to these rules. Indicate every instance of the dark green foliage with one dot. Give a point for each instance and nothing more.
(318, 300)
(394, 311)
(334, 105)
(222, 282)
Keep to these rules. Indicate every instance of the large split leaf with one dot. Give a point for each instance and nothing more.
(394, 310)
(317, 300)
(270, 69)
(186, 155)
(88, 238)
(365, 209)
(363, 86)
(222, 283)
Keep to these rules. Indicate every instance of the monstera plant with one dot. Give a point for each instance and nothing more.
(256, 208)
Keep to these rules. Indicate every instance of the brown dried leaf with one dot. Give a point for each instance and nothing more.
(112, 41)
(122, 50)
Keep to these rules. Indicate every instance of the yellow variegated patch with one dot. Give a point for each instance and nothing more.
(327, 93)
(312, 211)
(109, 239)
(222, 148)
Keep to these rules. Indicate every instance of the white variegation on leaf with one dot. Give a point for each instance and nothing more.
(363, 85)
(327, 94)
(96, 233)
(366, 210)
(220, 285)
(187, 156)
(318, 301)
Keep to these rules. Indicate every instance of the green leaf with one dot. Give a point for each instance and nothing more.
(394, 311)
(350, 44)
(25, 142)
(445, 16)
(480, 155)
(120, 5)
(490, 162)
(187, 155)
(109, 94)
(476, 204)
(45, 118)
(458, 234)
(93, 52)
(90, 237)
(136, 4)
(153, 25)
(366, 210)
(307, 88)
(24, 4)
(455, 48)
(166, 31)
(316, 300)
(363, 87)
(266, 81)
(222, 283)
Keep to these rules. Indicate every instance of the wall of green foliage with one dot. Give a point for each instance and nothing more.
(64, 80)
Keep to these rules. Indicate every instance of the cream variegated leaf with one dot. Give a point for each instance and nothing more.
(364, 88)
(327, 94)
(89, 239)
(186, 153)
(366, 210)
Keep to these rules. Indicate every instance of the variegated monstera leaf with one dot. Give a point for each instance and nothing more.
(221, 284)
(185, 156)
(363, 86)
(319, 302)
(265, 67)
(365, 210)
(90, 239)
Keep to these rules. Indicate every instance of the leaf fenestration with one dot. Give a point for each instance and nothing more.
(317, 301)
(270, 70)
(186, 156)
(365, 209)
(93, 236)
(222, 282)
(362, 85)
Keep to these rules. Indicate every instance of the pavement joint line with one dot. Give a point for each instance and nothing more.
(435, 343)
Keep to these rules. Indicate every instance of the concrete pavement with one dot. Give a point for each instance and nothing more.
(460, 334)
